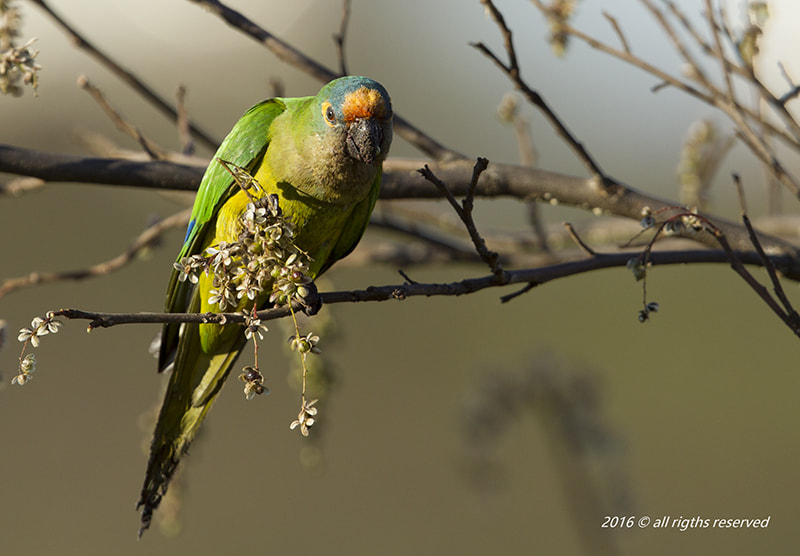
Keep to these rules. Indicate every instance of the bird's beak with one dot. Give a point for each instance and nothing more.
(364, 140)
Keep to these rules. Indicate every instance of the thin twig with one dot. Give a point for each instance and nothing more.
(339, 38)
(464, 211)
(664, 77)
(574, 235)
(184, 131)
(153, 150)
(512, 70)
(508, 111)
(748, 72)
(793, 91)
(714, 97)
(738, 266)
(406, 277)
(719, 53)
(766, 262)
(615, 25)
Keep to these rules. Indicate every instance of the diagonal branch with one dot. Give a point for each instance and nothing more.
(125, 75)
(154, 151)
(464, 211)
(340, 37)
(513, 72)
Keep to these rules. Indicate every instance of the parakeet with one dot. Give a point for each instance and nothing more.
(322, 157)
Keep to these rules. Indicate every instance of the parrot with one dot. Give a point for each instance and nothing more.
(321, 157)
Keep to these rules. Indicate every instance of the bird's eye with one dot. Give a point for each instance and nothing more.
(330, 115)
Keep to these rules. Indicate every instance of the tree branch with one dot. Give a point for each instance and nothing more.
(57, 167)
(339, 38)
(399, 292)
(401, 181)
(464, 211)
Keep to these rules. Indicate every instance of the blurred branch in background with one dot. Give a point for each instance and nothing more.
(752, 128)
(149, 238)
(128, 77)
(587, 452)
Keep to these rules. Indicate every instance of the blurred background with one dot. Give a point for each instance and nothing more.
(448, 424)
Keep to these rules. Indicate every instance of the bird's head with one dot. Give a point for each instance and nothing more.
(358, 111)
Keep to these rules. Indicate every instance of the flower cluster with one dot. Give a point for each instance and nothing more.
(305, 344)
(558, 15)
(253, 382)
(39, 327)
(18, 63)
(687, 225)
(305, 418)
(263, 259)
(27, 365)
(253, 326)
(262, 264)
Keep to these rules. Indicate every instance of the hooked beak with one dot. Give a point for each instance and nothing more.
(364, 140)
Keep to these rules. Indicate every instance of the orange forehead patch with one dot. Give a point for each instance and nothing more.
(363, 103)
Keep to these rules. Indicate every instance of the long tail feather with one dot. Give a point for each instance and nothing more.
(180, 417)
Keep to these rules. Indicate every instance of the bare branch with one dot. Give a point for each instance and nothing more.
(184, 131)
(512, 71)
(719, 53)
(339, 37)
(153, 150)
(401, 181)
(464, 211)
(57, 167)
(574, 235)
(533, 277)
(615, 25)
(738, 266)
(791, 314)
(666, 78)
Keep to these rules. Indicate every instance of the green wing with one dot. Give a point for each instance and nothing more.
(244, 146)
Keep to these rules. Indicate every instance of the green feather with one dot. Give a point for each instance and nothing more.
(322, 157)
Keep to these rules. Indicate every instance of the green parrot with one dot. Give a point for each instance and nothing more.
(322, 157)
